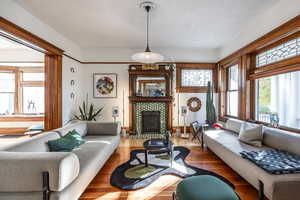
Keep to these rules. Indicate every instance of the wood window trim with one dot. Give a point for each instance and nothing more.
(53, 70)
(18, 94)
(250, 73)
(285, 30)
(227, 90)
(199, 66)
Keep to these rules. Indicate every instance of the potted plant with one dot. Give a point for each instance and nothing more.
(88, 112)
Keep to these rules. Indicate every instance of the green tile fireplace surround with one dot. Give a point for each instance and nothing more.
(150, 106)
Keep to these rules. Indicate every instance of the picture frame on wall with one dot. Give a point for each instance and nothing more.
(105, 85)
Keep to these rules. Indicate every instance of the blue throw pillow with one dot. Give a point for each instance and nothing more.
(66, 143)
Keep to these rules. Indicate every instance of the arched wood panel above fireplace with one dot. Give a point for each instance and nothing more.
(150, 89)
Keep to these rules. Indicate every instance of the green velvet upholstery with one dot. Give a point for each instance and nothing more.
(204, 187)
(68, 142)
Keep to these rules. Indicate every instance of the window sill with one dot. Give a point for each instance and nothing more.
(21, 118)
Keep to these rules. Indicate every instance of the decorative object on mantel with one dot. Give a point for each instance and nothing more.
(147, 56)
(88, 112)
(170, 67)
(115, 112)
(105, 85)
(211, 117)
(194, 104)
(184, 111)
(150, 67)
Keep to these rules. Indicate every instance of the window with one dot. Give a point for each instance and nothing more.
(232, 91)
(281, 52)
(194, 79)
(279, 94)
(22, 91)
(7, 92)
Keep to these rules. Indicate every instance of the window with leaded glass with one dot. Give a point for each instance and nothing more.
(195, 77)
(278, 53)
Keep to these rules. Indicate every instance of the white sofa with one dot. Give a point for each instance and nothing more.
(225, 144)
(28, 171)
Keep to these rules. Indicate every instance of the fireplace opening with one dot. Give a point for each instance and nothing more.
(150, 121)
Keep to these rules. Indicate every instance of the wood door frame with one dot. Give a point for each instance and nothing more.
(53, 69)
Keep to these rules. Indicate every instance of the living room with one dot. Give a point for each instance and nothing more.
(149, 99)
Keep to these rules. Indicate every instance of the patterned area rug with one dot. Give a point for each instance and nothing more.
(134, 174)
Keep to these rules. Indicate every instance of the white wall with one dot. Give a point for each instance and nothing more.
(70, 106)
(123, 84)
(107, 103)
(170, 54)
(16, 14)
(280, 12)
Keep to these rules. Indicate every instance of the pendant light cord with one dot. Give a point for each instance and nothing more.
(147, 10)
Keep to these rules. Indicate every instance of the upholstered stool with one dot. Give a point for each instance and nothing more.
(204, 187)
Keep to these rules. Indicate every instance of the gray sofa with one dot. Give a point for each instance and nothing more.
(28, 171)
(225, 144)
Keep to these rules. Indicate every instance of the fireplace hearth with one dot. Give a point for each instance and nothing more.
(150, 122)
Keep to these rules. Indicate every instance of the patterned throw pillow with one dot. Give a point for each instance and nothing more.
(66, 143)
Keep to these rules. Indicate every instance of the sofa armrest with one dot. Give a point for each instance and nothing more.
(22, 171)
(286, 190)
(103, 128)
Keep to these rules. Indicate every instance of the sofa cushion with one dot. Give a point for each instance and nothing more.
(103, 128)
(233, 125)
(226, 145)
(66, 143)
(92, 156)
(35, 144)
(251, 134)
(79, 126)
(282, 140)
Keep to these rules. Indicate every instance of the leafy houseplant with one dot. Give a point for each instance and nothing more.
(210, 108)
(88, 112)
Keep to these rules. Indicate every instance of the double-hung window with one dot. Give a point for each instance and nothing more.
(232, 90)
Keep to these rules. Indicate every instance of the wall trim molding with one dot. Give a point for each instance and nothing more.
(131, 62)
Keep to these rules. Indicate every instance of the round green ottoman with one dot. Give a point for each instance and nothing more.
(204, 187)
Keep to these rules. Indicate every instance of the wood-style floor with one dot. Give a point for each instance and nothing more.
(162, 188)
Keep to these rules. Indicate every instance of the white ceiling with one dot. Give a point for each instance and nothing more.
(174, 23)
(11, 51)
(6, 44)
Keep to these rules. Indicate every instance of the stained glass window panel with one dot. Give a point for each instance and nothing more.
(281, 52)
(195, 78)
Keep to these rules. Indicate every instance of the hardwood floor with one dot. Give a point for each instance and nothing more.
(161, 189)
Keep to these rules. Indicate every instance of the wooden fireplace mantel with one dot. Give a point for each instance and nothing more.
(136, 71)
(150, 99)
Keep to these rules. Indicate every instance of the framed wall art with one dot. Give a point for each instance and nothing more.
(105, 85)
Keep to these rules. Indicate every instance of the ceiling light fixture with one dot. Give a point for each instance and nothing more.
(147, 56)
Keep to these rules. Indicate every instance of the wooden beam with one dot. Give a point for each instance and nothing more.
(23, 34)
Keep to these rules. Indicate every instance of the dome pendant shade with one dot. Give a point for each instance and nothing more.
(147, 57)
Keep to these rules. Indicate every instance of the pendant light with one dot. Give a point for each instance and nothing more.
(147, 56)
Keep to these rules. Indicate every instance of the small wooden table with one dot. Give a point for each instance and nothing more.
(158, 145)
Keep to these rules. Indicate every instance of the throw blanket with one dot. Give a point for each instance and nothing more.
(274, 161)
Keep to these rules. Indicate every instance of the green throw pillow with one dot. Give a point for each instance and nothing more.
(66, 143)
